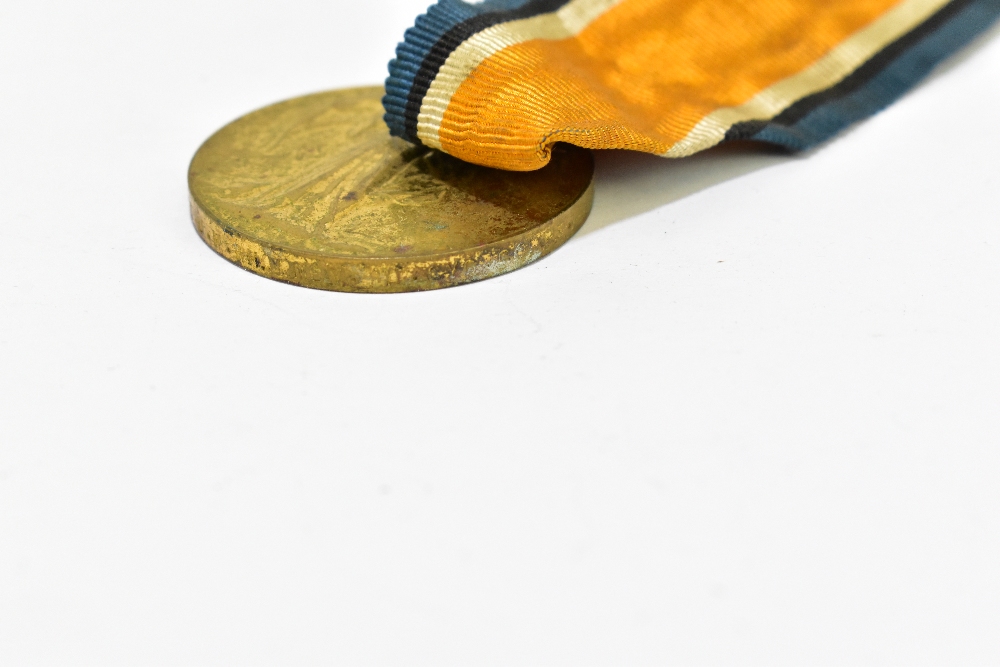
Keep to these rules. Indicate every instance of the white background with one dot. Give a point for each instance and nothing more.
(749, 415)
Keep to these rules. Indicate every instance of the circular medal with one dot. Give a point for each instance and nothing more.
(313, 191)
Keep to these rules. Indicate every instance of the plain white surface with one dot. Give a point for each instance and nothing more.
(748, 416)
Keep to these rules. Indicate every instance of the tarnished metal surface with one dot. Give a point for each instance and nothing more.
(314, 192)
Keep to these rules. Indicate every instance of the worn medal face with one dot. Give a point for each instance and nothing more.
(313, 191)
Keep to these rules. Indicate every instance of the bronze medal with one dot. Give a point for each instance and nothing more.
(313, 191)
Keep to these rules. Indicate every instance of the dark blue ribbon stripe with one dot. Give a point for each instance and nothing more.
(876, 84)
(428, 44)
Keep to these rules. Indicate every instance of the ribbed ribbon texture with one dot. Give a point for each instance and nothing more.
(498, 82)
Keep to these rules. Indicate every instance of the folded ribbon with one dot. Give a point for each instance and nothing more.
(497, 83)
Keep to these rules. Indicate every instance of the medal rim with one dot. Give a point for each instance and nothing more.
(384, 274)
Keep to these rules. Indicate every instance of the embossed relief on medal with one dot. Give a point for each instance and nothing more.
(321, 174)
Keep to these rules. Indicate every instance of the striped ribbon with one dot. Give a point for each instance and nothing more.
(497, 83)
